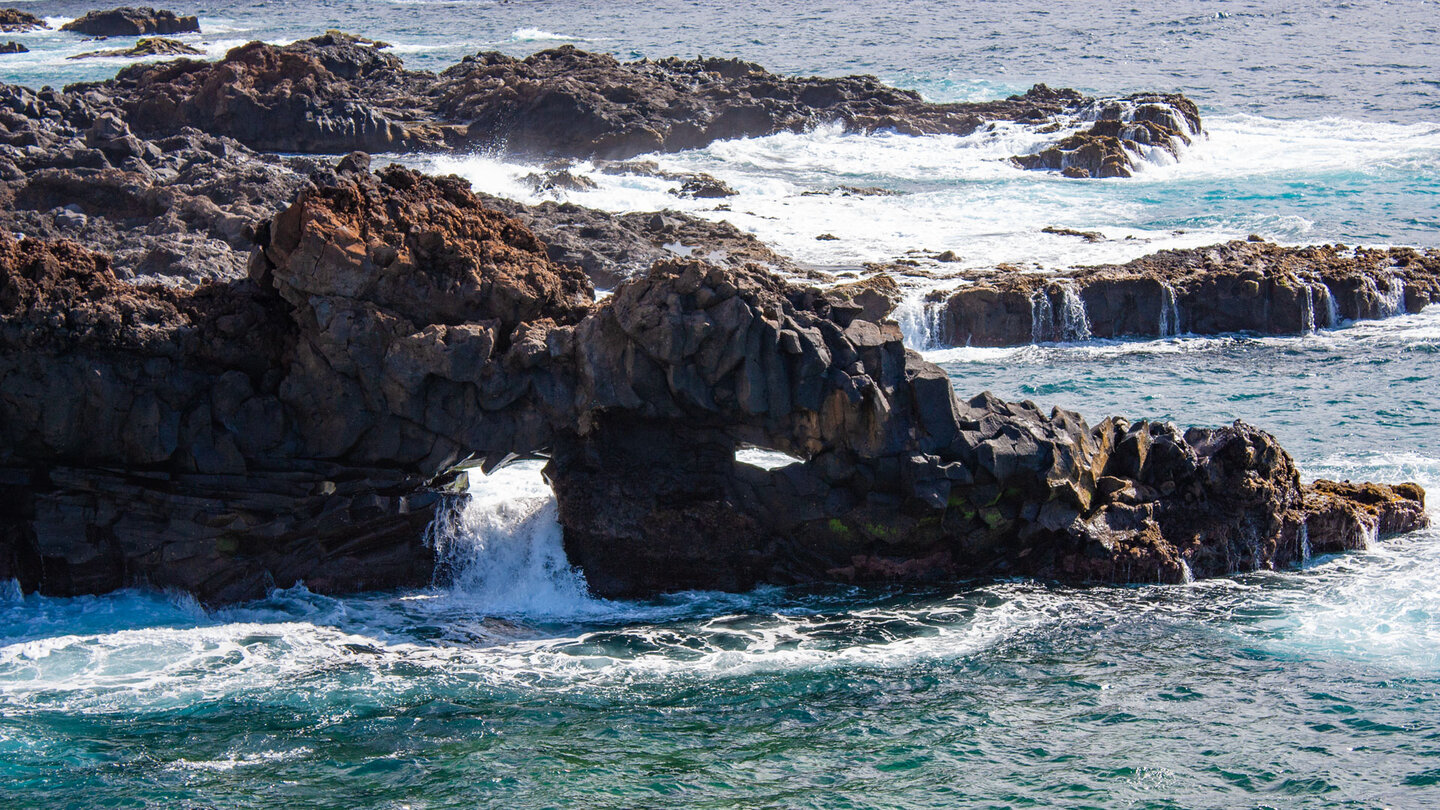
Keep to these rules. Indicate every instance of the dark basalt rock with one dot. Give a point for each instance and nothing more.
(13, 47)
(132, 22)
(1125, 130)
(1235, 287)
(298, 424)
(13, 20)
(175, 209)
(153, 46)
(339, 93)
(334, 93)
(614, 247)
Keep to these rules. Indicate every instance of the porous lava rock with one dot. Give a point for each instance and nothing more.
(302, 423)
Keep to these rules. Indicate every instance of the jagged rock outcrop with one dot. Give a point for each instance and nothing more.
(175, 209)
(296, 424)
(334, 93)
(153, 46)
(339, 93)
(13, 20)
(1125, 130)
(614, 247)
(131, 21)
(1235, 287)
(13, 47)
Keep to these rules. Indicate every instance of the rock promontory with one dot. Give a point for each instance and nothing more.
(302, 423)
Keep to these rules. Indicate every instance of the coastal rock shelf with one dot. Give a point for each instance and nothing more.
(1235, 287)
(302, 423)
(337, 93)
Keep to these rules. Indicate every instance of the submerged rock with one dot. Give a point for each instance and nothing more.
(301, 424)
(1235, 287)
(131, 22)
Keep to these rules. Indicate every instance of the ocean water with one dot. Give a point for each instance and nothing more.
(506, 685)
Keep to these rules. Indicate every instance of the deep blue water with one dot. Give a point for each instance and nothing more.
(512, 688)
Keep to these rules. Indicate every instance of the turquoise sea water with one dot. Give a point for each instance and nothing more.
(509, 687)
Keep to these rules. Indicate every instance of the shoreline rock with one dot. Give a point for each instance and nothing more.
(1247, 286)
(131, 21)
(338, 93)
(13, 21)
(152, 46)
(301, 423)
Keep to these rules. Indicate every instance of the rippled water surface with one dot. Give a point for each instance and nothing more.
(505, 685)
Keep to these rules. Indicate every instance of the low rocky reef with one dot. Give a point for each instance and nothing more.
(337, 93)
(302, 424)
(1241, 286)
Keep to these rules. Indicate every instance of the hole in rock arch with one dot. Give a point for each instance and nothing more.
(499, 546)
(765, 459)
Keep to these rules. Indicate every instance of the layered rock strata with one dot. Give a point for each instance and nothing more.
(339, 93)
(1235, 287)
(298, 424)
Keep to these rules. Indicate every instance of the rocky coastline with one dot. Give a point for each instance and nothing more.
(1243, 286)
(224, 370)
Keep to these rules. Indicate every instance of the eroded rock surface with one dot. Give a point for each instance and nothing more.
(153, 46)
(176, 209)
(339, 93)
(130, 21)
(13, 20)
(296, 424)
(1239, 286)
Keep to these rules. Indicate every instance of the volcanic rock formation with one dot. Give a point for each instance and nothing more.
(297, 425)
(339, 93)
(13, 20)
(152, 46)
(132, 22)
(1235, 287)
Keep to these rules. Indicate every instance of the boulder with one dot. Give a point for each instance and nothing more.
(132, 22)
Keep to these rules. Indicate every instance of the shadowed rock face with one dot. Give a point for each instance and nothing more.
(339, 93)
(1234, 287)
(130, 22)
(295, 425)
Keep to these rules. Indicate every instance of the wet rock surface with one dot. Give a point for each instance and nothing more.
(131, 21)
(300, 424)
(14, 20)
(153, 46)
(1241, 286)
(337, 93)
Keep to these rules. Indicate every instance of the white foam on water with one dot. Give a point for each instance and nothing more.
(540, 35)
(502, 551)
(765, 459)
(1250, 145)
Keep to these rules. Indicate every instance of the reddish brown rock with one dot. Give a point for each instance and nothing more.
(301, 425)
